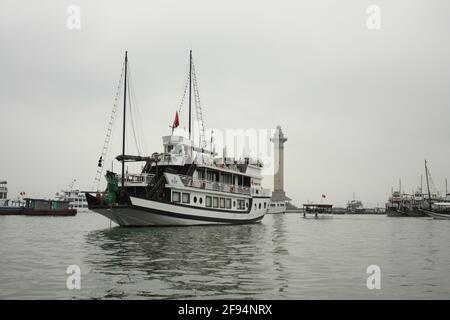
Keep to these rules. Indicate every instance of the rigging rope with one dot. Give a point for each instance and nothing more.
(132, 115)
(198, 108)
(107, 140)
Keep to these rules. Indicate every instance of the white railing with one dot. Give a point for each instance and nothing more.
(215, 186)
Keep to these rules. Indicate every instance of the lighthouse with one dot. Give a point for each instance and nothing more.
(279, 201)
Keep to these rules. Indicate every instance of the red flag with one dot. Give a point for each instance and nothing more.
(176, 122)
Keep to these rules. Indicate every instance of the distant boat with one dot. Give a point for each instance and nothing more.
(393, 205)
(316, 211)
(445, 215)
(355, 207)
(39, 207)
(77, 199)
(439, 210)
(3, 193)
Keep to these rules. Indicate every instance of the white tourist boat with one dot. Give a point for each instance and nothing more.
(317, 210)
(277, 206)
(184, 185)
(76, 198)
(3, 193)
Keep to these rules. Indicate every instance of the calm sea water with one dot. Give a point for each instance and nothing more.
(284, 257)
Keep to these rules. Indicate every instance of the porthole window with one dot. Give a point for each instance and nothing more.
(234, 204)
(200, 200)
(265, 205)
(260, 205)
(246, 204)
(195, 199)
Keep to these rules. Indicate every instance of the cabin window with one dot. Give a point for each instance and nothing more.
(195, 199)
(222, 202)
(186, 197)
(241, 204)
(208, 201)
(215, 202)
(228, 203)
(200, 200)
(175, 196)
(246, 204)
(260, 205)
(234, 204)
(265, 205)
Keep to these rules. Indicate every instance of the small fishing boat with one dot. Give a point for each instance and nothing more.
(436, 210)
(394, 204)
(355, 207)
(437, 215)
(317, 211)
(39, 207)
(76, 198)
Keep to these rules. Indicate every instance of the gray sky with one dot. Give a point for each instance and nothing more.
(361, 108)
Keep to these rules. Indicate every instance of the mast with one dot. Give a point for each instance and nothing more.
(190, 91)
(428, 184)
(124, 117)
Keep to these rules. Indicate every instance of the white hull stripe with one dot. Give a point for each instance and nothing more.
(194, 217)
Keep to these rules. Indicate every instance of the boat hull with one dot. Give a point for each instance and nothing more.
(143, 213)
(318, 216)
(416, 213)
(395, 213)
(437, 216)
(34, 212)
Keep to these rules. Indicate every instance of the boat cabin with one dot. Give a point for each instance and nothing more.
(41, 204)
(316, 209)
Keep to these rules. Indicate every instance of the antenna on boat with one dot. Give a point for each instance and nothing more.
(124, 118)
(190, 91)
(428, 184)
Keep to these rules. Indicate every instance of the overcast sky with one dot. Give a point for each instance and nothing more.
(361, 108)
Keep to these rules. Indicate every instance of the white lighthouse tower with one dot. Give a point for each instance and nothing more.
(279, 200)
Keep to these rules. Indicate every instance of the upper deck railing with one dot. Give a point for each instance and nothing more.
(212, 185)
